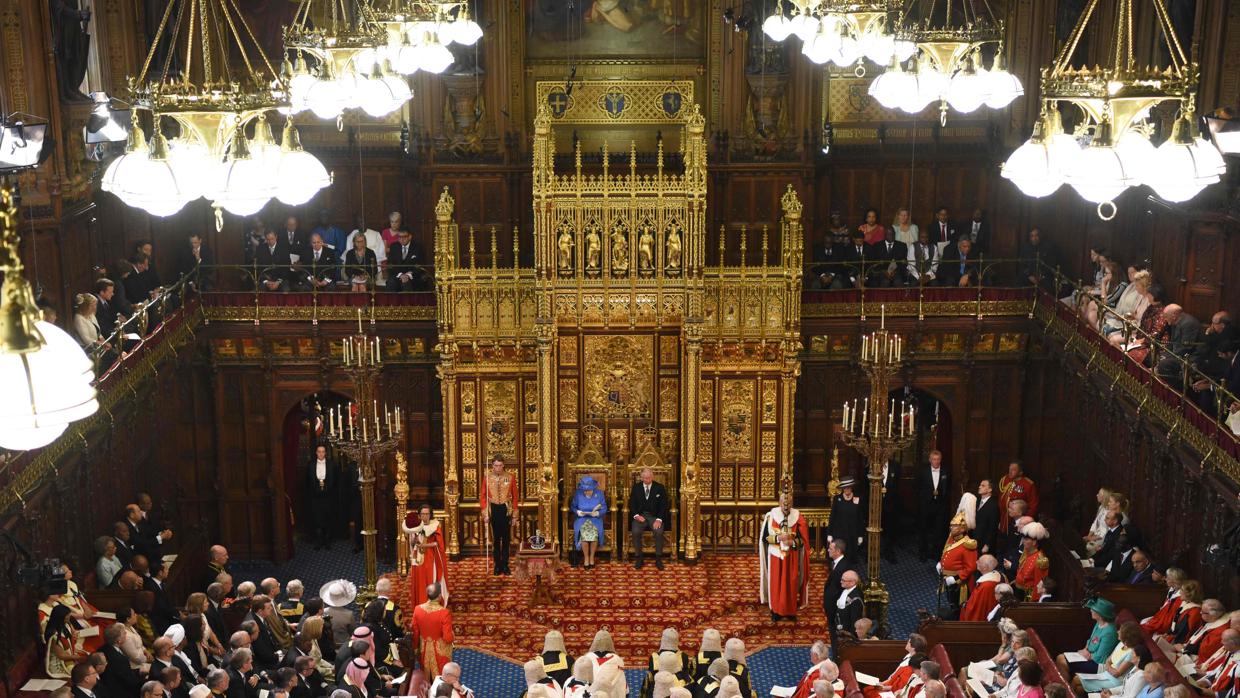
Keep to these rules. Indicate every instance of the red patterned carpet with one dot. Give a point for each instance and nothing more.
(493, 613)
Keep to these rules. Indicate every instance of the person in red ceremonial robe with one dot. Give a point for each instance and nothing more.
(957, 563)
(1160, 622)
(428, 562)
(1034, 565)
(915, 653)
(432, 630)
(783, 559)
(1209, 637)
(1221, 674)
(1015, 485)
(982, 600)
(821, 668)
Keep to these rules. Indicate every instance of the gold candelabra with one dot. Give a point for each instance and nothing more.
(878, 427)
(365, 433)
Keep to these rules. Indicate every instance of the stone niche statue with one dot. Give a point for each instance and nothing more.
(71, 46)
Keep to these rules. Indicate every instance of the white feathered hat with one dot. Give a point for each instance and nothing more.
(968, 507)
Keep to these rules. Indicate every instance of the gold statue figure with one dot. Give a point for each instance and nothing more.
(565, 241)
(645, 248)
(673, 246)
(593, 248)
(619, 250)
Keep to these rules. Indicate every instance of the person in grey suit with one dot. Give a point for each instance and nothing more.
(649, 507)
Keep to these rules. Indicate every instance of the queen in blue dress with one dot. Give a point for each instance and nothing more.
(589, 505)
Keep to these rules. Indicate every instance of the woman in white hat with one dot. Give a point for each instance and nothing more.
(337, 595)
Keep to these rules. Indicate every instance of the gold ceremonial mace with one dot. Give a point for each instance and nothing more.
(878, 428)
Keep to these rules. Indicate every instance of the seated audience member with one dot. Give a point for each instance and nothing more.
(1030, 674)
(863, 629)
(361, 266)
(337, 596)
(583, 675)
(217, 682)
(729, 688)
(819, 658)
(915, 653)
(320, 265)
(263, 642)
(314, 629)
(555, 659)
(310, 683)
(242, 677)
(708, 685)
(273, 261)
(195, 255)
(451, 677)
(190, 672)
(1220, 674)
(403, 258)
(86, 324)
(245, 595)
(107, 311)
(1202, 643)
(1097, 529)
(1140, 683)
(982, 599)
(109, 565)
(119, 678)
(83, 678)
(608, 666)
(1046, 590)
(280, 629)
(1142, 571)
(959, 267)
(823, 689)
(1007, 685)
(923, 260)
(1102, 641)
(734, 652)
(1187, 618)
(63, 648)
(1160, 622)
(536, 678)
(1183, 335)
(710, 650)
(291, 609)
(199, 604)
(1129, 654)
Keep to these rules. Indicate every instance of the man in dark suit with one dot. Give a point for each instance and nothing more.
(1110, 541)
(891, 509)
(193, 255)
(84, 677)
(1121, 566)
(934, 499)
(650, 509)
(273, 259)
(959, 267)
(161, 658)
(849, 605)
(124, 546)
(826, 264)
(242, 678)
(321, 494)
(293, 238)
(310, 683)
(264, 646)
(942, 230)
(854, 259)
(986, 530)
(977, 229)
(146, 538)
(403, 258)
(320, 267)
(1141, 572)
(119, 679)
(140, 286)
(164, 613)
(895, 253)
(837, 565)
(107, 311)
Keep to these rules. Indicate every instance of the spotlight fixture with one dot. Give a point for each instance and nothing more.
(23, 145)
(105, 124)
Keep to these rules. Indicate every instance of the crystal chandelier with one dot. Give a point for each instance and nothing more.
(419, 32)
(209, 106)
(843, 32)
(47, 378)
(1110, 149)
(949, 68)
(344, 70)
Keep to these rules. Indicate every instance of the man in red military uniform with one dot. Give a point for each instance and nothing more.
(1034, 565)
(432, 633)
(957, 563)
(982, 600)
(1015, 485)
(499, 501)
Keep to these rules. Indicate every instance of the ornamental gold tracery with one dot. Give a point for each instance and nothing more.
(624, 335)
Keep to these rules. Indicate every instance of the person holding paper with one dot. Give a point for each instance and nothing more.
(783, 560)
(915, 648)
(1102, 641)
(1129, 654)
(825, 670)
(590, 504)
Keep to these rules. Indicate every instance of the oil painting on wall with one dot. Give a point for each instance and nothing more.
(573, 30)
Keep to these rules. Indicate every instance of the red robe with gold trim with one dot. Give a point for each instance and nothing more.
(805, 687)
(983, 597)
(784, 572)
(434, 567)
(432, 631)
(959, 560)
(897, 681)
(1020, 488)
(1031, 570)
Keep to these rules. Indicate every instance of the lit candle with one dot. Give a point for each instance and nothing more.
(365, 436)
(344, 349)
(865, 341)
(903, 416)
(359, 320)
(349, 409)
(865, 413)
(845, 416)
(378, 432)
(882, 309)
(891, 415)
(378, 351)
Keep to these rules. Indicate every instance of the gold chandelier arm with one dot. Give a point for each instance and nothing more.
(248, 32)
(1069, 48)
(150, 55)
(1179, 58)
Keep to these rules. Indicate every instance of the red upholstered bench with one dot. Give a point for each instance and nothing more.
(851, 688)
(1050, 672)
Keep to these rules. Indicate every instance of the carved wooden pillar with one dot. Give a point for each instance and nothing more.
(547, 430)
(690, 418)
(451, 484)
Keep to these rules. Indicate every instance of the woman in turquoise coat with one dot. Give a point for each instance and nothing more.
(589, 505)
